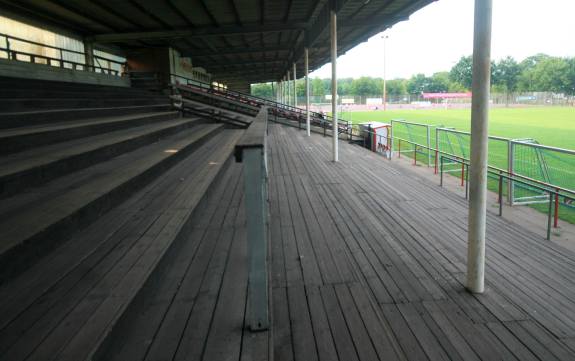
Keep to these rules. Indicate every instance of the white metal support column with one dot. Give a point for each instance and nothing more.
(307, 122)
(288, 89)
(284, 90)
(333, 28)
(294, 87)
(479, 138)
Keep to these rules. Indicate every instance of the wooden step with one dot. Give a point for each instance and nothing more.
(37, 117)
(52, 91)
(18, 139)
(39, 165)
(34, 222)
(33, 85)
(65, 305)
(9, 105)
(181, 289)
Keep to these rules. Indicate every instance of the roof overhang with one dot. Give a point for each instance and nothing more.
(247, 41)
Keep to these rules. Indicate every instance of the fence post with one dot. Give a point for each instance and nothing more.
(467, 181)
(441, 173)
(428, 147)
(436, 147)
(350, 128)
(462, 170)
(414, 154)
(556, 216)
(511, 166)
(549, 214)
(399, 149)
(8, 48)
(391, 137)
(500, 198)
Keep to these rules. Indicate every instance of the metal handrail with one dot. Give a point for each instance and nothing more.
(554, 192)
(268, 102)
(13, 55)
(316, 119)
(513, 175)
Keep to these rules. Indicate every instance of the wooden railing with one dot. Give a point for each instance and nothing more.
(251, 150)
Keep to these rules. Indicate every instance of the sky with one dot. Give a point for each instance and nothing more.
(437, 36)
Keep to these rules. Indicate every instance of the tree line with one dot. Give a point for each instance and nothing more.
(537, 73)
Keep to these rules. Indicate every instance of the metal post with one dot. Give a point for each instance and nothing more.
(391, 137)
(510, 166)
(333, 28)
(294, 86)
(467, 181)
(479, 138)
(428, 147)
(549, 213)
(500, 194)
(556, 214)
(462, 171)
(288, 89)
(307, 121)
(350, 131)
(8, 52)
(88, 54)
(436, 147)
(441, 173)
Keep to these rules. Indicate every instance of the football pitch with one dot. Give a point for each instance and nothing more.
(553, 126)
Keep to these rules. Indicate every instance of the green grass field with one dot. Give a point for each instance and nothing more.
(552, 126)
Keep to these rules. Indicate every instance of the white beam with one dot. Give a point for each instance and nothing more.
(294, 87)
(288, 89)
(333, 28)
(479, 138)
(306, 60)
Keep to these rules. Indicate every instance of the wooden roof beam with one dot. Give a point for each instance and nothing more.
(195, 32)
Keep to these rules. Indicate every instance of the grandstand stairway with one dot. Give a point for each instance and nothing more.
(96, 186)
(202, 95)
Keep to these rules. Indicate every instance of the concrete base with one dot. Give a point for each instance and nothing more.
(20, 69)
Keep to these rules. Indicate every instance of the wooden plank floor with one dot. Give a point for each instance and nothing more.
(368, 263)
